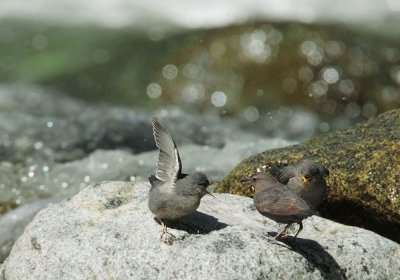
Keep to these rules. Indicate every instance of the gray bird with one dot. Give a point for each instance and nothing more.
(279, 202)
(307, 179)
(173, 194)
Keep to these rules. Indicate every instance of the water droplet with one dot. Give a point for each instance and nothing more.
(330, 75)
(38, 145)
(251, 114)
(260, 92)
(346, 86)
(154, 90)
(104, 165)
(306, 74)
(218, 98)
(170, 71)
(192, 93)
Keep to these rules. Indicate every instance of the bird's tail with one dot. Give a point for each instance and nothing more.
(276, 169)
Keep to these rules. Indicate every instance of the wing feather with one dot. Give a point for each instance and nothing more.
(169, 166)
(284, 202)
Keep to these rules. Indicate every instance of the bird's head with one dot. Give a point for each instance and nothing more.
(313, 173)
(258, 180)
(200, 182)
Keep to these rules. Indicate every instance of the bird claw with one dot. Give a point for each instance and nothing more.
(166, 237)
(269, 237)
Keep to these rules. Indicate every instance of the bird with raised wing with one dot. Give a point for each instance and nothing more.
(173, 194)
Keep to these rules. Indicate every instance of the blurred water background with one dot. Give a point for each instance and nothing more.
(80, 81)
(246, 59)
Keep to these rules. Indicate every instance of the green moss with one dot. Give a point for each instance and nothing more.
(364, 165)
(5, 206)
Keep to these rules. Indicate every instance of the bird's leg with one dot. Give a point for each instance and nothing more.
(300, 228)
(282, 232)
(166, 237)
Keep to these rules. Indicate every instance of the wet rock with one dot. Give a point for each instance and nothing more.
(53, 144)
(364, 165)
(84, 238)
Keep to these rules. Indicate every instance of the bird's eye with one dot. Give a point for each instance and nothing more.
(253, 179)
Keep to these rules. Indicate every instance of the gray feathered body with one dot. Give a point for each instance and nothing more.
(168, 202)
(173, 194)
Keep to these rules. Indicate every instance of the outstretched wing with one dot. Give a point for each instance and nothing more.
(169, 164)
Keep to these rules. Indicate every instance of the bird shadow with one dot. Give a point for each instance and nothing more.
(316, 255)
(195, 223)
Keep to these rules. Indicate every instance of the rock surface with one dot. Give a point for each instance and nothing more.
(364, 165)
(14, 222)
(53, 145)
(107, 232)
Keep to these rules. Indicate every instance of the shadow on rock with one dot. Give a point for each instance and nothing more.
(196, 223)
(317, 256)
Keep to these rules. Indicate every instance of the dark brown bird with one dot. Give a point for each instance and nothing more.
(307, 179)
(279, 202)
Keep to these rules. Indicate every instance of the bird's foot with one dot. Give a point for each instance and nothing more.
(282, 233)
(166, 237)
(269, 236)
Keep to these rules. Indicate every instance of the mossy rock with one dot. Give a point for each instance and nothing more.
(5, 206)
(364, 165)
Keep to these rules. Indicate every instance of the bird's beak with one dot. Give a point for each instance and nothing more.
(207, 192)
(305, 179)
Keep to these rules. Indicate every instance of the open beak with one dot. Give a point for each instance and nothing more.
(306, 179)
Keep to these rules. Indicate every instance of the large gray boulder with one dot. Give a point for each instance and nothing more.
(107, 232)
(13, 223)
